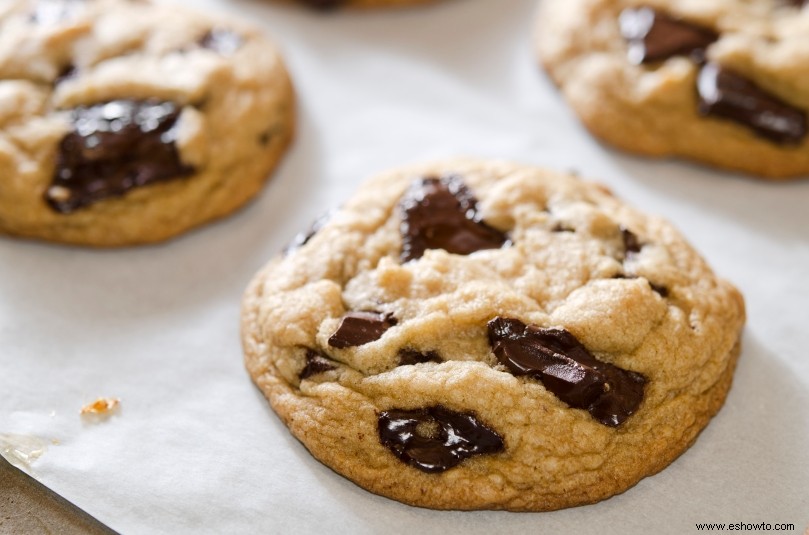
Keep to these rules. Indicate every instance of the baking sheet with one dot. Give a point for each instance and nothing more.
(194, 446)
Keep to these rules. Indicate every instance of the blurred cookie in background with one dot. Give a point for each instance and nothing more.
(127, 122)
(723, 83)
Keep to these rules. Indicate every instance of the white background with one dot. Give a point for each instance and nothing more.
(196, 448)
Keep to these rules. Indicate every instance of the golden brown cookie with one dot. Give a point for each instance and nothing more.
(484, 335)
(124, 122)
(717, 81)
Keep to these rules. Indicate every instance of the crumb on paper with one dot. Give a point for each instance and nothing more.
(101, 407)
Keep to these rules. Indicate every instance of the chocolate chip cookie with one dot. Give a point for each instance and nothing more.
(124, 122)
(718, 81)
(484, 335)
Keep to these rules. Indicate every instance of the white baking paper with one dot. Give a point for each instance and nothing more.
(195, 447)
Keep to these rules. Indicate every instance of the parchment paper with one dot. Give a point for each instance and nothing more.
(195, 447)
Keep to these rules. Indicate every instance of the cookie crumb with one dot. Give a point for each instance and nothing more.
(101, 407)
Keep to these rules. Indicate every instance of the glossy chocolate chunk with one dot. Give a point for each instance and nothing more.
(222, 41)
(323, 5)
(113, 148)
(567, 369)
(441, 213)
(315, 364)
(436, 439)
(360, 328)
(724, 93)
(655, 36)
(409, 357)
(631, 242)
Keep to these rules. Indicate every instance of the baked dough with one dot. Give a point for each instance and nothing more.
(484, 335)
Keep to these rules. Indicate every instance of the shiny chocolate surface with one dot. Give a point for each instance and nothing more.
(654, 36)
(567, 369)
(727, 94)
(441, 213)
(360, 328)
(436, 439)
(113, 148)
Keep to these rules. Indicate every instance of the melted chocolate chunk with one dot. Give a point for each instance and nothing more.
(631, 242)
(567, 369)
(360, 328)
(443, 214)
(409, 357)
(436, 439)
(302, 238)
(315, 364)
(654, 36)
(796, 3)
(323, 5)
(113, 148)
(724, 93)
(222, 41)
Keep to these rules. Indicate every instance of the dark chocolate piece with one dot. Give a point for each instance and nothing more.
(726, 94)
(113, 148)
(443, 214)
(222, 41)
(360, 328)
(323, 5)
(631, 242)
(796, 3)
(436, 439)
(654, 36)
(567, 369)
(315, 364)
(302, 238)
(409, 357)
